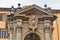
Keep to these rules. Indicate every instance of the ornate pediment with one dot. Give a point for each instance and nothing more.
(35, 10)
(33, 7)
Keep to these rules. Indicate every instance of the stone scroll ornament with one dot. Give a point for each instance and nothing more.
(33, 20)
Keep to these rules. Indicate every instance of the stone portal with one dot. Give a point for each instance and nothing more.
(30, 23)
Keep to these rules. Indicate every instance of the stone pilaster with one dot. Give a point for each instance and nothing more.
(10, 30)
(10, 34)
(47, 34)
(18, 34)
(47, 29)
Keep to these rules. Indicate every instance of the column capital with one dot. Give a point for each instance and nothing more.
(47, 30)
(18, 29)
(11, 30)
(47, 24)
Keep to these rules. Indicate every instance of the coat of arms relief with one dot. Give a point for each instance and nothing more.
(33, 21)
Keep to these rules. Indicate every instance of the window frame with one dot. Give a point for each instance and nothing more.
(1, 36)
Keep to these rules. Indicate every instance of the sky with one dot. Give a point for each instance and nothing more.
(54, 4)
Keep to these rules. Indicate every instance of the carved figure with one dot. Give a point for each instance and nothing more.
(33, 20)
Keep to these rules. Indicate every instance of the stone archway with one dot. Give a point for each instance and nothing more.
(32, 36)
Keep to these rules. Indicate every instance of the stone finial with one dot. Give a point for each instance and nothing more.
(19, 6)
(49, 8)
(12, 11)
(45, 5)
(12, 8)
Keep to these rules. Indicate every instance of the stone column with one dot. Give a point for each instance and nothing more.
(18, 34)
(10, 34)
(14, 32)
(10, 30)
(18, 29)
(47, 34)
(47, 27)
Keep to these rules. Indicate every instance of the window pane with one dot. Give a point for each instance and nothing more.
(0, 16)
(3, 34)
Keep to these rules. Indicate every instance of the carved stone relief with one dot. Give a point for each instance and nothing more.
(33, 21)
